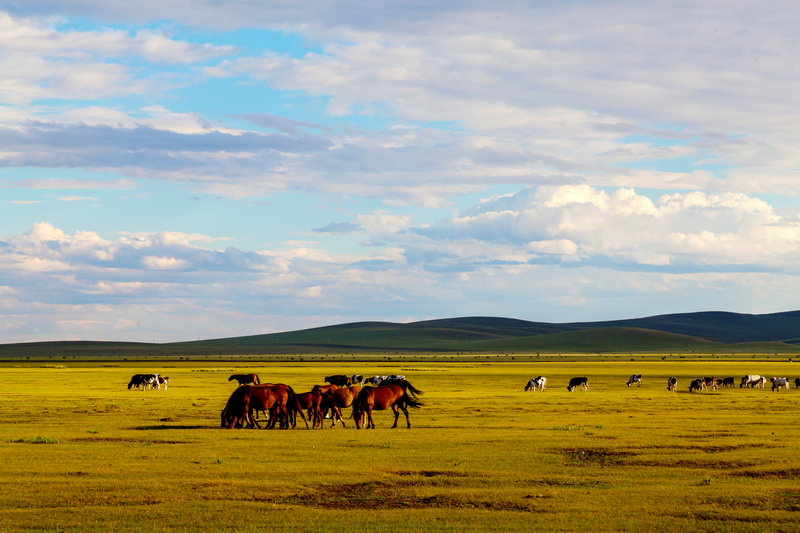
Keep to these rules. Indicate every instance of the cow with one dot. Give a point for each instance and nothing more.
(778, 383)
(727, 383)
(672, 384)
(356, 379)
(750, 380)
(760, 383)
(144, 381)
(375, 380)
(698, 384)
(710, 382)
(635, 379)
(581, 382)
(797, 383)
(536, 383)
(163, 380)
(339, 379)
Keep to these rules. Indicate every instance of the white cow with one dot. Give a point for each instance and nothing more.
(778, 383)
(750, 380)
(534, 383)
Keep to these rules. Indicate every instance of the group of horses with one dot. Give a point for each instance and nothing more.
(282, 405)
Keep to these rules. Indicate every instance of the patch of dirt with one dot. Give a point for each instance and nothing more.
(375, 495)
(787, 473)
(430, 473)
(594, 456)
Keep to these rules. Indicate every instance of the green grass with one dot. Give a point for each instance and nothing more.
(481, 454)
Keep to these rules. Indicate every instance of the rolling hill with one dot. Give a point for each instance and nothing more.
(687, 332)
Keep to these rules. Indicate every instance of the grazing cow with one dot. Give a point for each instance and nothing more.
(710, 382)
(339, 379)
(163, 380)
(356, 379)
(728, 383)
(778, 383)
(698, 384)
(581, 382)
(536, 383)
(672, 384)
(797, 383)
(750, 380)
(635, 379)
(245, 379)
(760, 383)
(144, 381)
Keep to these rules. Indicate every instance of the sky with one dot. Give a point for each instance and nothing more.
(198, 169)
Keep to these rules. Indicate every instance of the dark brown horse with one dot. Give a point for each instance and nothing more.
(280, 400)
(384, 397)
(244, 379)
(339, 398)
(310, 401)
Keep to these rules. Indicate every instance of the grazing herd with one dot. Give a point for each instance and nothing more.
(282, 405)
(695, 385)
(148, 381)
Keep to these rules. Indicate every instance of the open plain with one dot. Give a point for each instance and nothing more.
(80, 452)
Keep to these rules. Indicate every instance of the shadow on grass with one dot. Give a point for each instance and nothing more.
(164, 426)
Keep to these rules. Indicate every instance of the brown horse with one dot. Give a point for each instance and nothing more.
(339, 398)
(380, 398)
(311, 402)
(244, 379)
(280, 400)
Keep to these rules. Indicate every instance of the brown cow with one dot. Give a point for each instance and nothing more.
(711, 383)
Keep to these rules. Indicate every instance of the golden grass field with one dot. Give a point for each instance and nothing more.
(82, 453)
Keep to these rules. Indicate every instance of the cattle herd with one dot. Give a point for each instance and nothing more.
(148, 381)
(696, 385)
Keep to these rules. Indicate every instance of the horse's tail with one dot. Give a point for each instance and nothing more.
(409, 388)
(293, 407)
(411, 401)
(256, 380)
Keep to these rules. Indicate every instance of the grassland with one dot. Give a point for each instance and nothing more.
(82, 453)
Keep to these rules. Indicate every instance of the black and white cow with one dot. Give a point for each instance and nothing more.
(698, 384)
(672, 384)
(536, 383)
(635, 379)
(751, 380)
(375, 380)
(356, 379)
(163, 380)
(581, 382)
(144, 381)
(779, 383)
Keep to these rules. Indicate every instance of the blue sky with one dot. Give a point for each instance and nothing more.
(222, 169)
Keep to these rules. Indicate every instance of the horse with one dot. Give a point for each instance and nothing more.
(236, 411)
(380, 398)
(311, 401)
(339, 398)
(280, 400)
(245, 379)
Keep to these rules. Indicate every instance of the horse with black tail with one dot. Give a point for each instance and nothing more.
(395, 397)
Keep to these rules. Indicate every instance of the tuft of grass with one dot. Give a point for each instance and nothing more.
(37, 440)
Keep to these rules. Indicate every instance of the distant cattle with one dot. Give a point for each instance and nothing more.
(635, 379)
(581, 382)
(536, 383)
(710, 382)
(672, 384)
(378, 380)
(163, 380)
(356, 379)
(727, 383)
(339, 379)
(760, 383)
(797, 383)
(779, 383)
(144, 381)
(698, 384)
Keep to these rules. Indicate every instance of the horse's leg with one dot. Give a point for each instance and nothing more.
(405, 412)
(371, 423)
(396, 414)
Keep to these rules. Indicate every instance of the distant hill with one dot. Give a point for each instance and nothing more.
(686, 332)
